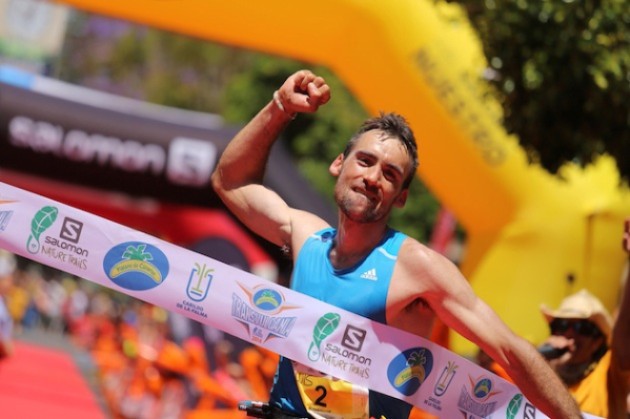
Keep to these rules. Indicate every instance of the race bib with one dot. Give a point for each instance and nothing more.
(326, 397)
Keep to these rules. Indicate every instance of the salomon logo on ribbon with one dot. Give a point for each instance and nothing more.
(514, 406)
(408, 370)
(136, 266)
(324, 327)
(41, 222)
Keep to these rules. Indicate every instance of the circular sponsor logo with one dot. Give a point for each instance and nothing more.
(483, 388)
(408, 370)
(136, 266)
(267, 299)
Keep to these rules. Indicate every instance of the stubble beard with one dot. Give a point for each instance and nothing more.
(346, 205)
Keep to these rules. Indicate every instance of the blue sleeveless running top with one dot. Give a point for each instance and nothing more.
(361, 289)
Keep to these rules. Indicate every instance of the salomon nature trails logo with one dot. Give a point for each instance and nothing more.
(324, 327)
(136, 266)
(408, 370)
(42, 221)
(63, 247)
(514, 406)
(341, 355)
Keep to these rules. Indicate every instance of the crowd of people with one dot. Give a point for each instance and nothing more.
(143, 369)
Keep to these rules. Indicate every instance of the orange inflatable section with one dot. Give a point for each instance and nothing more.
(528, 231)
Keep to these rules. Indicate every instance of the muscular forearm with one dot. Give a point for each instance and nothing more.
(540, 384)
(463, 311)
(245, 158)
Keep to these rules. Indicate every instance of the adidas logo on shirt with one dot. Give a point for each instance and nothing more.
(370, 274)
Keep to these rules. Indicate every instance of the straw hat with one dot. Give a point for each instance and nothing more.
(582, 305)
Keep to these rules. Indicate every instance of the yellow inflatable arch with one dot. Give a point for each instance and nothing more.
(532, 238)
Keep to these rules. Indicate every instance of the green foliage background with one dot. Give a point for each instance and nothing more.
(561, 71)
(178, 71)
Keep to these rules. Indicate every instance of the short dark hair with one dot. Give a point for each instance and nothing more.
(396, 126)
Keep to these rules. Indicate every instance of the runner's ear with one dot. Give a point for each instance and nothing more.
(335, 166)
(401, 199)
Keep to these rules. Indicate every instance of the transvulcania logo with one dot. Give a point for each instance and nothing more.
(260, 312)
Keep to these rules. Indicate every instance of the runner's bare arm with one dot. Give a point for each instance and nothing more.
(238, 176)
(443, 287)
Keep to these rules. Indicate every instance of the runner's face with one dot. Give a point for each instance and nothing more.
(370, 179)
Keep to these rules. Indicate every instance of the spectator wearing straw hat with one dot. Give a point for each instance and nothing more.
(589, 352)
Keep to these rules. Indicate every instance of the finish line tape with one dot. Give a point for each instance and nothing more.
(316, 334)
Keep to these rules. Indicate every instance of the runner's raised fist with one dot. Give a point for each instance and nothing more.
(303, 92)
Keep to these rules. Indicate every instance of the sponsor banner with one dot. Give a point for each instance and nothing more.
(112, 143)
(97, 139)
(318, 335)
